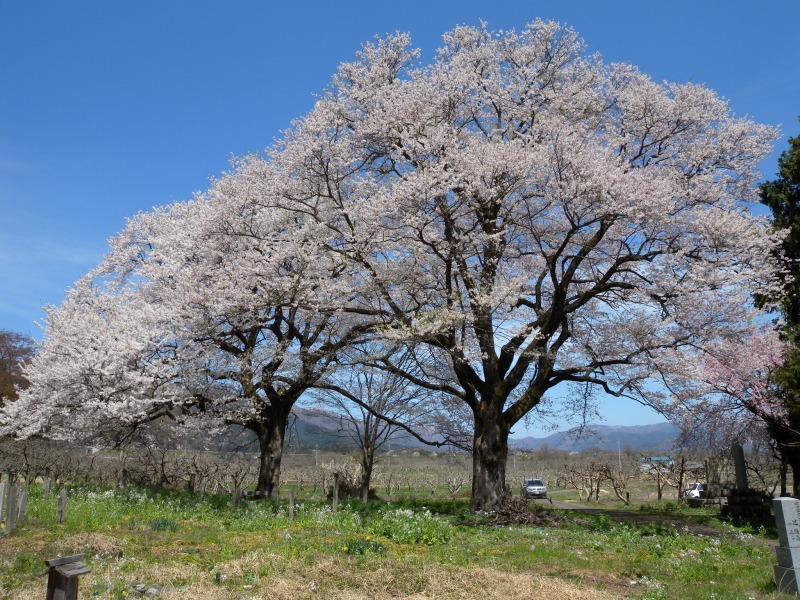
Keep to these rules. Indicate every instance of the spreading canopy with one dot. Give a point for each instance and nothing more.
(533, 215)
(522, 212)
(529, 209)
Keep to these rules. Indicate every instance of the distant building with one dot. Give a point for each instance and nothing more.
(652, 463)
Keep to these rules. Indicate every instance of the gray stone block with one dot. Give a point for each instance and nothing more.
(788, 557)
(786, 580)
(787, 519)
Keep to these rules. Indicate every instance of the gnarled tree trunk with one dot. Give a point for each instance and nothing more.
(489, 457)
(271, 432)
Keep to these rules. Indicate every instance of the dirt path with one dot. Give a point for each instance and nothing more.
(642, 517)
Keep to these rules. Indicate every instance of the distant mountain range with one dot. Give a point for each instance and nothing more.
(657, 437)
(311, 429)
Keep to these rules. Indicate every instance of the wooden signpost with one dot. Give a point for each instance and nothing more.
(62, 579)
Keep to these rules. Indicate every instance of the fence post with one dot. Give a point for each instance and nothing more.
(11, 509)
(2, 499)
(23, 504)
(62, 505)
(291, 504)
(335, 492)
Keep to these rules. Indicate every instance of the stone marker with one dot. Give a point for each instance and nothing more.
(2, 499)
(741, 467)
(787, 519)
(744, 503)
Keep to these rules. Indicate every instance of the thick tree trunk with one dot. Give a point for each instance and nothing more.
(489, 456)
(783, 471)
(789, 453)
(794, 465)
(271, 432)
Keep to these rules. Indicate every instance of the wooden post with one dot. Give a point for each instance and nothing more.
(11, 509)
(2, 499)
(335, 492)
(23, 504)
(291, 504)
(62, 505)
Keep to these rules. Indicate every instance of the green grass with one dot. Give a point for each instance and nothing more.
(183, 542)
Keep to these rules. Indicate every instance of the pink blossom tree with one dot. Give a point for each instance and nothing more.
(742, 369)
(735, 396)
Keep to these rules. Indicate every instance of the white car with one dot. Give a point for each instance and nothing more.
(696, 490)
(534, 488)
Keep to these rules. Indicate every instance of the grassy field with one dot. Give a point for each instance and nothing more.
(191, 548)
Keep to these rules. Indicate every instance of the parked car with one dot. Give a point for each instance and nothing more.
(696, 490)
(534, 488)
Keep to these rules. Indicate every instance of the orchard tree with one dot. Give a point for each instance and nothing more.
(372, 405)
(15, 350)
(533, 216)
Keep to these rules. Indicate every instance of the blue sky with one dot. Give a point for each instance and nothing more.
(109, 108)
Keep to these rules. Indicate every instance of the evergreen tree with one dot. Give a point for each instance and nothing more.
(782, 196)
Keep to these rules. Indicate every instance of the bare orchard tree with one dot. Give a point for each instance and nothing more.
(664, 473)
(32, 458)
(585, 478)
(619, 475)
(766, 470)
(371, 406)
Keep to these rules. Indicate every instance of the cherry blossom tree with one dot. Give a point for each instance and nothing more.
(533, 216)
(209, 310)
(523, 214)
(742, 370)
(738, 395)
